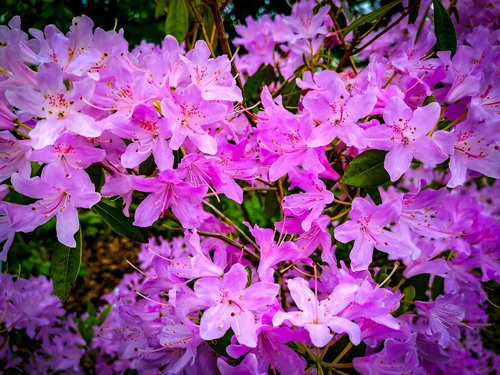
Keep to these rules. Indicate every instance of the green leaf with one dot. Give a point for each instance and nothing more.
(177, 22)
(414, 6)
(420, 284)
(249, 276)
(437, 287)
(290, 94)
(429, 99)
(370, 17)
(263, 76)
(444, 29)
(220, 344)
(96, 175)
(104, 315)
(148, 166)
(91, 310)
(366, 170)
(161, 8)
(65, 265)
(374, 195)
(119, 222)
(409, 294)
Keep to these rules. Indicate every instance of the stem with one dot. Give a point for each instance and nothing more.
(382, 32)
(342, 202)
(347, 55)
(199, 20)
(249, 188)
(228, 241)
(230, 222)
(22, 125)
(342, 353)
(459, 118)
(345, 212)
(437, 122)
(396, 265)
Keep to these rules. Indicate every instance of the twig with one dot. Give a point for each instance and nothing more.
(381, 33)
(230, 222)
(229, 241)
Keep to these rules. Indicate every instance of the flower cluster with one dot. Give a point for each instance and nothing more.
(35, 336)
(350, 256)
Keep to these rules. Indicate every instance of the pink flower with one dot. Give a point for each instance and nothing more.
(150, 132)
(168, 191)
(232, 304)
(315, 316)
(59, 107)
(404, 135)
(190, 116)
(59, 196)
(471, 145)
(366, 228)
(336, 111)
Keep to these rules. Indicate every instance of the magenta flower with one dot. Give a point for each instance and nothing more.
(69, 152)
(366, 228)
(249, 366)
(58, 107)
(315, 316)
(75, 53)
(444, 316)
(272, 350)
(287, 136)
(14, 154)
(336, 111)
(232, 304)
(473, 146)
(190, 116)
(272, 253)
(212, 76)
(59, 196)
(16, 218)
(397, 357)
(309, 205)
(149, 132)
(168, 191)
(404, 135)
(304, 23)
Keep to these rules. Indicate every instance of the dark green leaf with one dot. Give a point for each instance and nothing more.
(437, 287)
(104, 315)
(420, 283)
(67, 84)
(161, 8)
(91, 310)
(370, 17)
(444, 29)
(429, 99)
(408, 296)
(148, 166)
(263, 76)
(290, 94)
(271, 206)
(119, 222)
(366, 170)
(177, 22)
(374, 195)
(65, 265)
(249, 276)
(220, 344)
(96, 175)
(413, 6)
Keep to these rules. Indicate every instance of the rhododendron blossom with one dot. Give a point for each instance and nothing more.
(322, 200)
